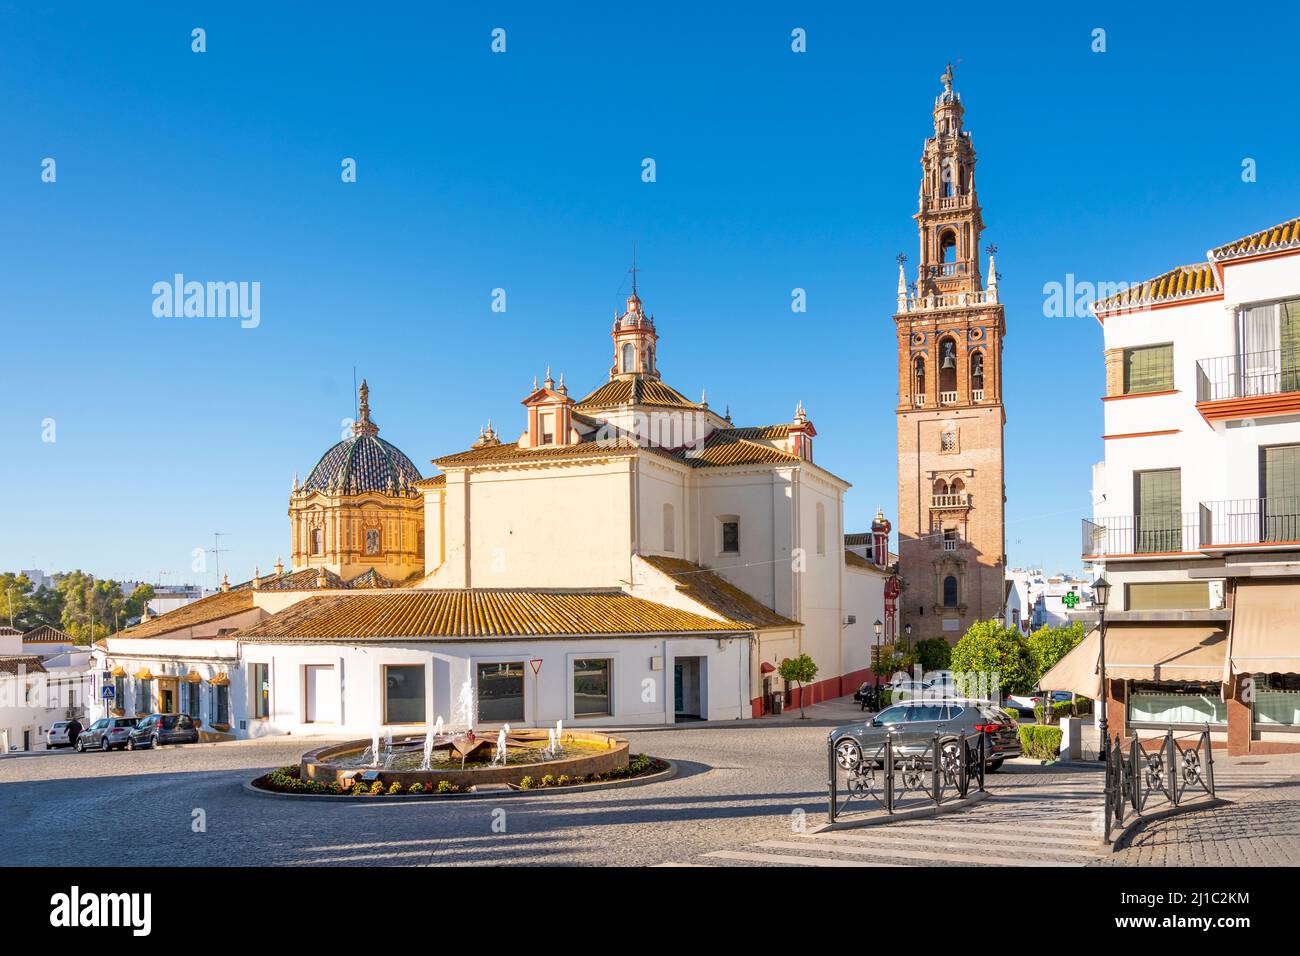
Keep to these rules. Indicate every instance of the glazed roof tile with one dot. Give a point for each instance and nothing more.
(716, 593)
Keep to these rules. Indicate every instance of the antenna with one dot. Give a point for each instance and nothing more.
(634, 270)
(217, 551)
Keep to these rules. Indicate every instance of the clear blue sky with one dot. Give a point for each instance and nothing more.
(522, 171)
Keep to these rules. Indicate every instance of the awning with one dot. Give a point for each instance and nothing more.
(1265, 629)
(1153, 652)
(766, 667)
(143, 674)
(193, 677)
(119, 671)
(220, 680)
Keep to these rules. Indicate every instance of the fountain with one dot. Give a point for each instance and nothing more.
(500, 756)
(374, 751)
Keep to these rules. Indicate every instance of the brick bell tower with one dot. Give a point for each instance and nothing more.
(951, 491)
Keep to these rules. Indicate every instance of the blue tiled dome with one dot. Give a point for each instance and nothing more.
(363, 462)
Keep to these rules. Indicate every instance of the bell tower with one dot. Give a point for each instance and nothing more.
(950, 326)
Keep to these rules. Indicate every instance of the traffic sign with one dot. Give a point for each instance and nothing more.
(536, 665)
(107, 692)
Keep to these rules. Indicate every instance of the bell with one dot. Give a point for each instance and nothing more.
(948, 360)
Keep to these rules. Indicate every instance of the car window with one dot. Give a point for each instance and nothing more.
(923, 712)
(99, 724)
(185, 723)
(62, 724)
(893, 715)
(168, 722)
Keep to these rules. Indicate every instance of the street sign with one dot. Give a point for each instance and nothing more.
(107, 692)
(536, 665)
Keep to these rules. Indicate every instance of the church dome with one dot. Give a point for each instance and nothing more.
(363, 462)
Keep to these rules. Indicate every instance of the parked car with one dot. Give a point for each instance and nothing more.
(1030, 701)
(57, 735)
(914, 724)
(158, 729)
(107, 733)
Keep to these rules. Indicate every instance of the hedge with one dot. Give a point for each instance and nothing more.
(1037, 740)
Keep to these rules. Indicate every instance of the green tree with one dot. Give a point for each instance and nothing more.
(934, 654)
(94, 608)
(24, 606)
(996, 651)
(801, 670)
(1048, 645)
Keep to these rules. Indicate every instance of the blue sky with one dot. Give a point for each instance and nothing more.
(775, 170)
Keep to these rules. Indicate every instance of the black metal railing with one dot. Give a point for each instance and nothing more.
(1157, 775)
(1247, 374)
(946, 771)
(1161, 533)
(1251, 521)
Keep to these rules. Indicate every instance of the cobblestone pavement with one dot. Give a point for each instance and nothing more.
(739, 784)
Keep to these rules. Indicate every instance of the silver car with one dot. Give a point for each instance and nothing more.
(913, 726)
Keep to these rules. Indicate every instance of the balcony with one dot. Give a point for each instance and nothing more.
(960, 500)
(948, 398)
(1248, 385)
(1246, 522)
(1133, 535)
(977, 395)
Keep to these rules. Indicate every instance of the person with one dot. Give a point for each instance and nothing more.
(74, 731)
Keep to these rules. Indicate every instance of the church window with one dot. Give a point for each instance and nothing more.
(948, 246)
(977, 374)
(821, 528)
(731, 537)
(947, 442)
(918, 373)
(317, 540)
(670, 528)
(372, 541)
(947, 370)
(629, 357)
(950, 591)
(546, 426)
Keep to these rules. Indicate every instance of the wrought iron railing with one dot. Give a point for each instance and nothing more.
(1170, 772)
(946, 771)
(1164, 533)
(1251, 521)
(1248, 374)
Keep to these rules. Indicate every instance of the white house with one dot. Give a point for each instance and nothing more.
(1197, 505)
(632, 557)
(38, 688)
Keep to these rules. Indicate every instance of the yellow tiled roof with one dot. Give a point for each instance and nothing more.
(765, 432)
(718, 594)
(1182, 282)
(1284, 235)
(433, 481)
(513, 453)
(637, 391)
(203, 611)
(729, 446)
(474, 613)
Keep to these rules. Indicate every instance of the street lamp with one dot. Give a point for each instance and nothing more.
(907, 629)
(1101, 594)
(879, 628)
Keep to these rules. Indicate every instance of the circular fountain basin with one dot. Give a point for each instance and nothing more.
(464, 763)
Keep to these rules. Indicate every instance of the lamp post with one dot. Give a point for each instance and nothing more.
(879, 628)
(1101, 592)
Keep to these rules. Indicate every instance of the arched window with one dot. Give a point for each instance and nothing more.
(957, 486)
(317, 540)
(918, 376)
(950, 591)
(670, 528)
(977, 374)
(940, 486)
(821, 528)
(372, 542)
(948, 246)
(629, 357)
(947, 365)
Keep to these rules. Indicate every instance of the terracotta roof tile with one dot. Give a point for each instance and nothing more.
(440, 614)
(1183, 282)
(27, 663)
(203, 611)
(637, 391)
(47, 634)
(715, 592)
(1285, 235)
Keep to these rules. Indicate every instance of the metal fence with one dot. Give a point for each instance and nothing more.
(887, 779)
(1156, 775)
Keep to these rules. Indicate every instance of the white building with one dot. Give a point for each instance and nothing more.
(38, 689)
(1197, 504)
(632, 557)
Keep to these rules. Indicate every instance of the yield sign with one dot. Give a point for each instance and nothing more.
(536, 665)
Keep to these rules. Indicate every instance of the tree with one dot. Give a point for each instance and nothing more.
(96, 608)
(998, 653)
(1048, 645)
(25, 607)
(801, 670)
(934, 654)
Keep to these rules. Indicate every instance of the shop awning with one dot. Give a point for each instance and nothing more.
(766, 667)
(119, 671)
(220, 680)
(1076, 672)
(1153, 652)
(193, 677)
(143, 674)
(1265, 629)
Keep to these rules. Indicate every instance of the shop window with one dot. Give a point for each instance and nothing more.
(501, 692)
(1175, 703)
(591, 688)
(404, 694)
(1277, 700)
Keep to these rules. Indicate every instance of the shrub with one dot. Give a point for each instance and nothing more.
(1041, 741)
(359, 789)
(395, 789)
(446, 786)
(548, 780)
(416, 788)
(1013, 712)
(563, 780)
(377, 788)
(527, 783)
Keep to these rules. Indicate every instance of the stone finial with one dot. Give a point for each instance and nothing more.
(225, 582)
(322, 579)
(279, 566)
(548, 382)
(257, 577)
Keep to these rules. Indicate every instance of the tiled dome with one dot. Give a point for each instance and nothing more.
(363, 462)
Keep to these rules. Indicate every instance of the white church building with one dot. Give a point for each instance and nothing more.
(632, 557)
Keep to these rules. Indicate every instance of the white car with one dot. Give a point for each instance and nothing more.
(57, 735)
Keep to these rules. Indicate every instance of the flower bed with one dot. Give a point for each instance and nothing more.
(639, 765)
(289, 780)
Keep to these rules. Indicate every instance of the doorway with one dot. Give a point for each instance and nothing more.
(321, 690)
(166, 696)
(689, 696)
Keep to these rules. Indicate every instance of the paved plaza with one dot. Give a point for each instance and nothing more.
(732, 803)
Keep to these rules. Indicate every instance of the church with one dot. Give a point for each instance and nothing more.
(626, 557)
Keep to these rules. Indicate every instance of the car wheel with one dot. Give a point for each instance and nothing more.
(154, 742)
(993, 766)
(848, 754)
(79, 746)
(130, 743)
(104, 745)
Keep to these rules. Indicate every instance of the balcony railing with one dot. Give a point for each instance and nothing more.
(977, 394)
(1247, 521)
(950, 501)
(1248, 374)
(947, 398)
(1165, 533)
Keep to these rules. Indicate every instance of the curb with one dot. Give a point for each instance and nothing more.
(1133, 828)
(915, 813)
(493, 791)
